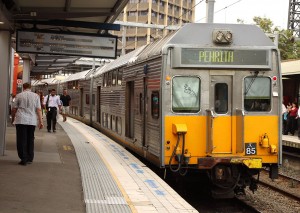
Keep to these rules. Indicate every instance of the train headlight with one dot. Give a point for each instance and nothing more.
(222, 36)
(228, 36)
(219, 36)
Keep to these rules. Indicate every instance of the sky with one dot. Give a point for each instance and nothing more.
(276, 10)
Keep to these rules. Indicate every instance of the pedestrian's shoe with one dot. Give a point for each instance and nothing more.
(23, 163)
(54, 130)
(49, 130)
(64, 119)
(29, 162)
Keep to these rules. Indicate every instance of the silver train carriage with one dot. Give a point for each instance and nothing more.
(206, 97)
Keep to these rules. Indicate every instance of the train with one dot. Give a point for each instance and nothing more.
(206, 97)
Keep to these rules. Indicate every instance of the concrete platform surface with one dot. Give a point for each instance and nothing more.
(51, 184)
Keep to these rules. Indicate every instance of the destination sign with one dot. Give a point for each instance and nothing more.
(66, 44)
(224, 57)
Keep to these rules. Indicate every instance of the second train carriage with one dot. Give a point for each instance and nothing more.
(206, 97)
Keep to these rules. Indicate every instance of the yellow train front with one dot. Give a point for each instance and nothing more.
(221, 92)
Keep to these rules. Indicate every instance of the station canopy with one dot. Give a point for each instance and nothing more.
(94, 17)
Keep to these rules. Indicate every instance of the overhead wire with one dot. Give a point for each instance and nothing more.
(220, 10)
(189, 9)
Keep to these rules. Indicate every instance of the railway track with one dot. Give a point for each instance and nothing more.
(291, 154)
(282, 184)
(247, 205)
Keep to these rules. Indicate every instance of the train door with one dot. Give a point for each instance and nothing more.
(220, 114)
(144, 112)
(129, 110)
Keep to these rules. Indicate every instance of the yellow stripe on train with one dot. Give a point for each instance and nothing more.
(224, 137)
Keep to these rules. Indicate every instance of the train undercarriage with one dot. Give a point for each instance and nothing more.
(230, 180)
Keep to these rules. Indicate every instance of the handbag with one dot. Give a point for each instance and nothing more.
(285, 116)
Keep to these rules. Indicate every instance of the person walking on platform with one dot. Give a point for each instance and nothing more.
(25, 114)
(52, 102)
(65, 98)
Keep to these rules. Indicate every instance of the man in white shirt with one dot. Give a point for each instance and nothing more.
(51, 103)
(26, 110)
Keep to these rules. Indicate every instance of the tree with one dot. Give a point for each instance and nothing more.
(289, 49)
(264, 23)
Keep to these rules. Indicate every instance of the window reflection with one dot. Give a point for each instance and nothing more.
(186, 94)
(221, 98)
(257, 94)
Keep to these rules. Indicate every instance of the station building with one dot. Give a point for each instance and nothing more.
(157, 12)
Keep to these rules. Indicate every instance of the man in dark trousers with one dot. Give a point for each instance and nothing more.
(26, 112)
(51, 103)
(65, 99)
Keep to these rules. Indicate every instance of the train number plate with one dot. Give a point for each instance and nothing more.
(250, 148)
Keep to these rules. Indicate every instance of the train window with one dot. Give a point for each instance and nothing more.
(109, 75)
(114, 77)
(120, 75)
(104, 119)
(105, 80)
(221, 98)
(93, 99)
(70, 85)
(141, 103)
(186, 94)
(155, 104)
(108, 121)
(113, 123)
(87, 98)
(119, 125)
(257, 94)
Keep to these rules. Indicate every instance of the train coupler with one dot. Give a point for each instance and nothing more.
(253, 185)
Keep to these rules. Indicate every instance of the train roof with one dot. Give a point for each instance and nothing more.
(78, 75)
(121, 61)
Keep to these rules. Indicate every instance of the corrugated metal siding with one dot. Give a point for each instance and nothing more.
(85, 84)
(136, 73)
(75, 102)
(153, 126)
(155, 48)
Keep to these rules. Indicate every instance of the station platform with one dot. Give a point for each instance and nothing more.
(77, 169)
(291, 141)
